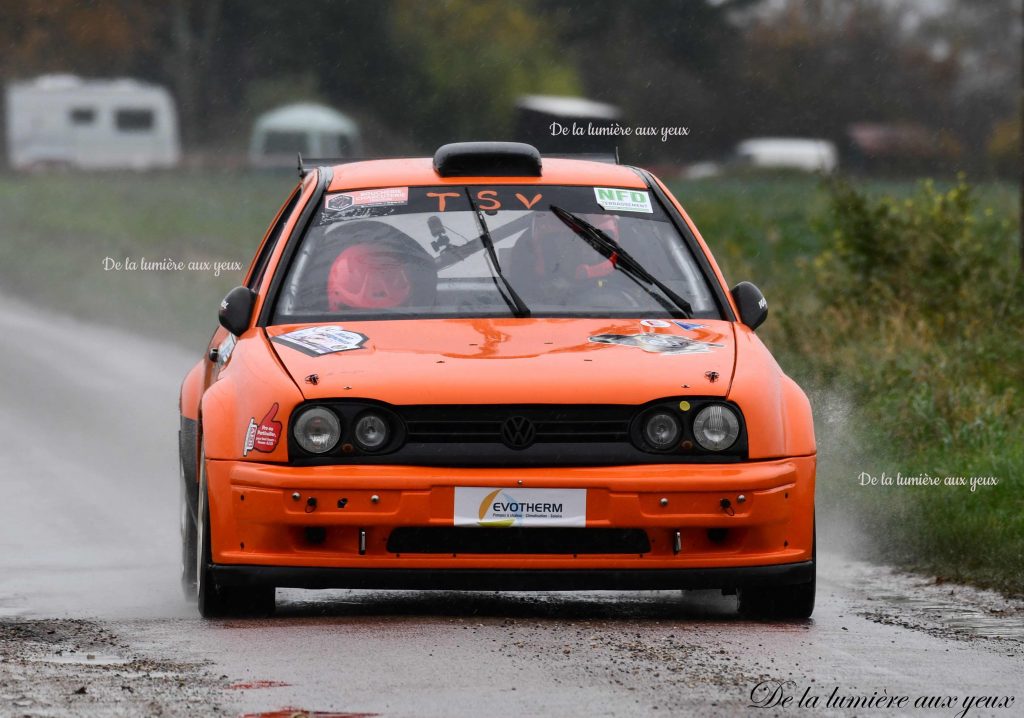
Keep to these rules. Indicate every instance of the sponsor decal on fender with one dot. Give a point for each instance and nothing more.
(264, 435)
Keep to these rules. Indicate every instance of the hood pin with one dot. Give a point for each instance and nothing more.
(712, 376)
(313, 379)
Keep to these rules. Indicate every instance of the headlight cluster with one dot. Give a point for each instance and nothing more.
(319, 429)
(714, 426)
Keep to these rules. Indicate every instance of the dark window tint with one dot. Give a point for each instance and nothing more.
(83, 115)
(134, 120)
(268, 248)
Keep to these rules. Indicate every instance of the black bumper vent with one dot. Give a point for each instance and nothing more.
(555, 540)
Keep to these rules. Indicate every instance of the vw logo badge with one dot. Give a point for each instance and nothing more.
(518, 432)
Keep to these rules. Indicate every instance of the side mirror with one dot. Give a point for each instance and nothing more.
(236, 310)
(752, 304)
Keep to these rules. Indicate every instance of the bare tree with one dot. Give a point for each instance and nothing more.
(194, 27)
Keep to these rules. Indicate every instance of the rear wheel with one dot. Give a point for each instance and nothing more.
(218, 601)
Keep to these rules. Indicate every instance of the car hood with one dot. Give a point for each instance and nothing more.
(508, 361)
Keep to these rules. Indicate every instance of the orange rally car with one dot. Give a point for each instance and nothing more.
(492, 371)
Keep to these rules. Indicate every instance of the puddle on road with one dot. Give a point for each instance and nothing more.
(989, 622)
(894, 597)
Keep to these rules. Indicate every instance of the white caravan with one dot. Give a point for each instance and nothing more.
(808, 155)
(65, 121)
(307, 128)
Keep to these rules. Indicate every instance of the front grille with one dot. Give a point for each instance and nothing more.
(554, 540)
(531, 424)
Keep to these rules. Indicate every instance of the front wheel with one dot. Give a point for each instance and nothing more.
(188, 547)
(219, 601)
(794, 602)
(786, 602)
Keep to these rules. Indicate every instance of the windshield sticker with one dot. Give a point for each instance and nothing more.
(441, 197)
(655, 323)
(529, 203)
(263, 436)
(623, 200)
(657, 343)
(486, 200)
(690, 326)
(489, 196)
(368, 198)
(317, 341)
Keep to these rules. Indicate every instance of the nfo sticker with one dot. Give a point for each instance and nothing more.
(623, 200)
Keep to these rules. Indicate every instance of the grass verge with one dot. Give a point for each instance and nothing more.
(902, 302)
(57, 231)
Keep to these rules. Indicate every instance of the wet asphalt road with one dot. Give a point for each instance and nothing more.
(92, 622)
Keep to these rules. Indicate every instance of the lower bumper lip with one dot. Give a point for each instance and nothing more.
(515, 579)
(258, 522)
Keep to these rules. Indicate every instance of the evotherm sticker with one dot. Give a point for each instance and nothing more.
(623, 200)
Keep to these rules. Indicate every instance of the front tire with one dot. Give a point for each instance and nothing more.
(221, 601)
(188, 548)
(783, 602)
(793, 603)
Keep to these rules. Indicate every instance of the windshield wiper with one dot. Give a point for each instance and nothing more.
(512, 299)
(621, 259)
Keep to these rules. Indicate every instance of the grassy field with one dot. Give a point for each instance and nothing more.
(900, 381)
(57, 231)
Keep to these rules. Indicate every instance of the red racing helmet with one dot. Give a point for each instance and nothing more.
(364, 276)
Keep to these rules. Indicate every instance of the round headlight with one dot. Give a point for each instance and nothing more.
(371, 432)
(662, 430)
(716, 427)
(317, 430)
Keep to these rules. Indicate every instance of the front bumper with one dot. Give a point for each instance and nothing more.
(261, 533)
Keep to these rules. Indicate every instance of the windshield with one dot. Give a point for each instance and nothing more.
(492, 251)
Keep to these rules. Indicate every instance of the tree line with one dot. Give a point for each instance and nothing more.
(420, 73)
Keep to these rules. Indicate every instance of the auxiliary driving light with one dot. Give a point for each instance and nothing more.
(662, 430)
(371, 432)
